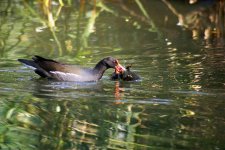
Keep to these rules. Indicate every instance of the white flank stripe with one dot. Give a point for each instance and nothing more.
(67, 76)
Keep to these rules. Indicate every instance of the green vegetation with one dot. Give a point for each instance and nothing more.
(180, 47)
(79, 27)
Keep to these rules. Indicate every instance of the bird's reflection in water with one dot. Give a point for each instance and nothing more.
(51, 89)
(119, 93)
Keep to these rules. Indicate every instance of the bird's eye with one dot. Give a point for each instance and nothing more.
(115, 61)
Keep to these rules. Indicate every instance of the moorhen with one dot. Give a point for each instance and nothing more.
(125, 75)
(52, 69)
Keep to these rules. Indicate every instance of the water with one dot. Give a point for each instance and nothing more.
(178, 104)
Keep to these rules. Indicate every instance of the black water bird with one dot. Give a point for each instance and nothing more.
(51, 69)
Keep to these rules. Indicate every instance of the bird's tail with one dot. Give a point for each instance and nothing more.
(29, 63)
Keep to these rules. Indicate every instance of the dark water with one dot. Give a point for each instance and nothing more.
(178, 104)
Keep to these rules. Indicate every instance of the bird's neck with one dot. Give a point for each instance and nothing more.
(99, 69)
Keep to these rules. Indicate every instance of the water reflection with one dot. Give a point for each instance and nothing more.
(179, 103)
(77, 30)
(53, 89)
(138, 115)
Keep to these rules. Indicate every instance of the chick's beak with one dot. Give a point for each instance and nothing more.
(119, 68)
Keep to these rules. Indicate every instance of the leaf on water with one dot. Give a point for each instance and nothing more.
(9, 113)
(162, 116)
(186, 112)
(29, 119)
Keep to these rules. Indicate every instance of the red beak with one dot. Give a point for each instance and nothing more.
(119, 68)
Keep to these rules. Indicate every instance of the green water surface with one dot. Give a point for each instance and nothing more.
(178, 104)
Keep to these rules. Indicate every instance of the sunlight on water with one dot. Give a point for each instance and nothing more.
(177, 104)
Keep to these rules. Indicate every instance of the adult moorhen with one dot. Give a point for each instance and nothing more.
(125, 75)
(52, 69)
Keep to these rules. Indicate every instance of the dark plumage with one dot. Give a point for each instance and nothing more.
(126, 75)
(48, 68)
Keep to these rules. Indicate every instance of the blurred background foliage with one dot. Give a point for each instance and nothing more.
(80, 27)
(75, 30)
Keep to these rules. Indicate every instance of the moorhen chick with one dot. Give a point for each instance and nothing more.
(52, 69)
(125, 75)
